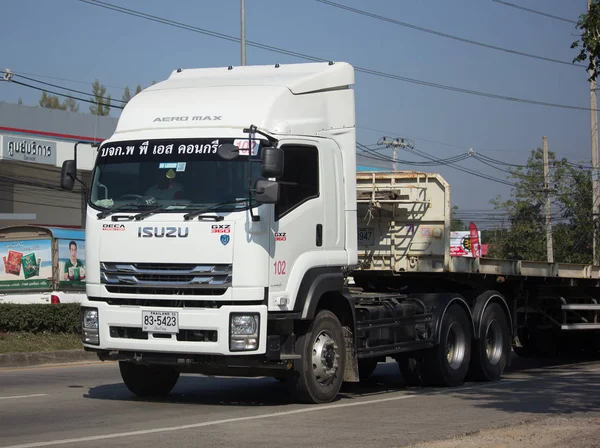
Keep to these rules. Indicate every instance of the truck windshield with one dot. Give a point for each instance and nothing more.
(173, 173)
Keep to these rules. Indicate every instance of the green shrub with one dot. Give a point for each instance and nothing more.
(40, 318)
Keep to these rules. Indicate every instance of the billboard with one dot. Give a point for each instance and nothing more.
(460, 244)
(71, 263)
(27, 264)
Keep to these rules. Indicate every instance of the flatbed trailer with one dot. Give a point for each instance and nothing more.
(404, 246)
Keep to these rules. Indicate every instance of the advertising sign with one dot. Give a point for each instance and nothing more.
(71, 263)
(27, 264)
(475, 245)
(461, 244)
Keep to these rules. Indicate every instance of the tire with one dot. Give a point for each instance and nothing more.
(366, 367)
(319, 374)
(148, 381)
(447, 363)
(491, 351)
(410, 369)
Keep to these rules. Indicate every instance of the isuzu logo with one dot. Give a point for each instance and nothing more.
(163, 232)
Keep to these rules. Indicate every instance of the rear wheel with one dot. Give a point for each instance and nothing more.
(148, 381)
(447, 363)
(492, 349)
(319, 374)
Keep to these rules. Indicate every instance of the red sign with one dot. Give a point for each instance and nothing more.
(475, 246)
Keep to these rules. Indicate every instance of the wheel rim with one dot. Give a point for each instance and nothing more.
(493, 342)
(455, 344)
(325, 358)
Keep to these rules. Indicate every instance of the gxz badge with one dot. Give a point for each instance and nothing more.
(220, 228)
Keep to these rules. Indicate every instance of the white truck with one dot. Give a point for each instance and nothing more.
(228, 233)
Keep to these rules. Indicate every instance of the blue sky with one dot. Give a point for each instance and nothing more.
(72, 40)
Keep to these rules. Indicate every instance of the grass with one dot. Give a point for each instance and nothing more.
(44, 342)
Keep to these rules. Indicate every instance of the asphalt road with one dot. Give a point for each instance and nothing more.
(87, 405)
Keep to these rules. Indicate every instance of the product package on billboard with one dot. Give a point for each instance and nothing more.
(30, 266)
(76, 273)
(12, 264)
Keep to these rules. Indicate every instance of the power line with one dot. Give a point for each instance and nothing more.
(20, 73)
(512, 5)
(316, 59)
(465, 170)
(67, 89)
(497, 168)
(448, 36)
(423, 154)
(434, 162)
(395, 134)
(499, 162)
(64, 94)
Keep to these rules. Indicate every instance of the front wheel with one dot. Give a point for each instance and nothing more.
(319, 374)
(148, 381)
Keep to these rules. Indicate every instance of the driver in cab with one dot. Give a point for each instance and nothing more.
(165, 187)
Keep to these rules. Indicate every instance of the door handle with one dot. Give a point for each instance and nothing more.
(319, 235)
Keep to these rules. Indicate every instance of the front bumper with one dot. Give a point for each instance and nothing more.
(113, 319)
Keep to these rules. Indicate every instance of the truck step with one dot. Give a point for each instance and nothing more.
(590, 326)
(581, 307)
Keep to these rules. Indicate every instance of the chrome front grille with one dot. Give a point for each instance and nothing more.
(163, 278)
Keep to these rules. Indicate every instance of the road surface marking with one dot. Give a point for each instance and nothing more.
(63, 365)
(22, 396)
(286, 413)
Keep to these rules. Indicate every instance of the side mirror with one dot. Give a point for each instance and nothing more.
(272, 162)
(266, 191)
(68, 174)
(227, 151)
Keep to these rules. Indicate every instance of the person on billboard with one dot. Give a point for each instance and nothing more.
(74, 267)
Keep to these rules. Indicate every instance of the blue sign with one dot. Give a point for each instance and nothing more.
(224, 240)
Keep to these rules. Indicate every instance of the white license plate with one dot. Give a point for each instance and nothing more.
(160, 321)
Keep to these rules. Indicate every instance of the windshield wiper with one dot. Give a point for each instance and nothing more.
(210, 208)
(120, 208)
(157, 209)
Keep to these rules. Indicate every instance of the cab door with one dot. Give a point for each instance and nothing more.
(298, 229)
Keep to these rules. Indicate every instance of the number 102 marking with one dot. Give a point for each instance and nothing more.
(279, 267)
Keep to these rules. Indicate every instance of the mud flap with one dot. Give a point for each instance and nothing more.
(351, 371)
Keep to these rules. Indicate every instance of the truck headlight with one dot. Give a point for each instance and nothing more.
(243, 332)
(90, 326)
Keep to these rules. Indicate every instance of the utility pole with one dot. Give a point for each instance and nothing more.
(243, 30)
(395, 143)
(548, 206)
(595, 183)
